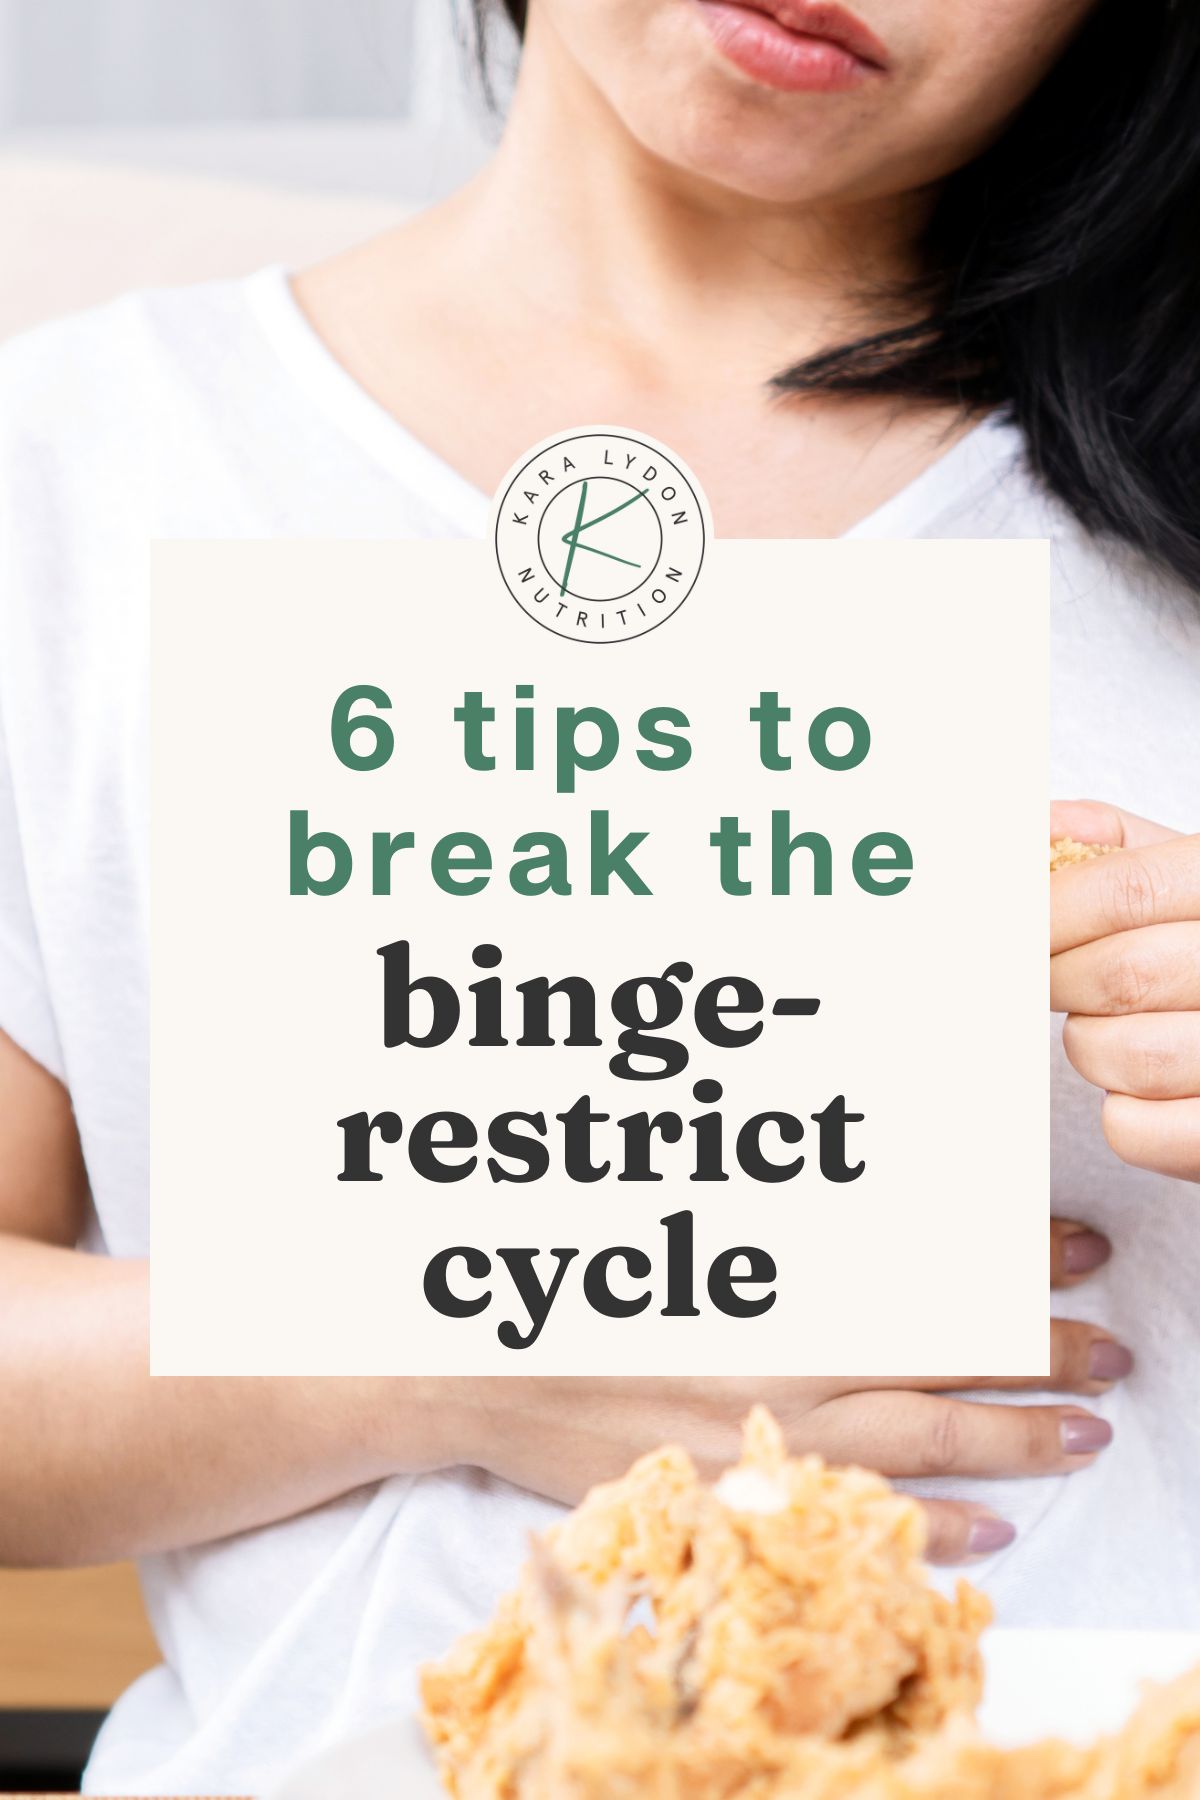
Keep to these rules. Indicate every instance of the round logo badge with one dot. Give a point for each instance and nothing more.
(600, 535)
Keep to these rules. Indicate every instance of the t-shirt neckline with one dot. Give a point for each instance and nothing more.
(352, 409)
(979, 455)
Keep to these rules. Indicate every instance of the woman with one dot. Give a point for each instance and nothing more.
(922, 270)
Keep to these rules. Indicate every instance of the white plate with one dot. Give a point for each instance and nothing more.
(1072, 1684)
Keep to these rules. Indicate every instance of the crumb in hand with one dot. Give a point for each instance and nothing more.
(1065, 851)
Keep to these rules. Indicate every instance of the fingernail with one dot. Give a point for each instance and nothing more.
(988, 1533)
(1109, 1361)
(1084, 1251)
(1080, 1436)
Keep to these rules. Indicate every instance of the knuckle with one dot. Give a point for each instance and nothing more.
(943, 1440)
(1126, 979)
(1135, 892)
(1154, 1066)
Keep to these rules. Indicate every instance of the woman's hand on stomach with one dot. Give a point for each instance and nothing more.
(1125, 968)
(101, 1461)
(559, 1436)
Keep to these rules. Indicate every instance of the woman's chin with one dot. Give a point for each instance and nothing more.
(759, 159)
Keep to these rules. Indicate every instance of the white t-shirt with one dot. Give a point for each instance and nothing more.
(216, 411)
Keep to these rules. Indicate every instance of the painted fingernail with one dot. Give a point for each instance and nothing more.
(1080, 1436)
(1084, 1251)
(988, 1533)
(1109, 1361)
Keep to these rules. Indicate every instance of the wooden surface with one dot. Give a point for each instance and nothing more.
(71, 1638)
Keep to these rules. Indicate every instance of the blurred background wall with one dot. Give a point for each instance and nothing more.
(196, 84)
(76, 62)
(150, 142)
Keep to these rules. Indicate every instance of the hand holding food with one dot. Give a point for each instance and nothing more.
(1125, 968)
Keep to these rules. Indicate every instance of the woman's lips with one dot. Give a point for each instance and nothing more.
(801, 46)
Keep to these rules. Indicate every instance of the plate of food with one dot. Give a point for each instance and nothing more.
(774, 1636)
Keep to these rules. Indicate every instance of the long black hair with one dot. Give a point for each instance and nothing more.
(1061, 283)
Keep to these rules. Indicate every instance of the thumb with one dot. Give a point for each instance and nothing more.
(960, 1531)
(1092, 822)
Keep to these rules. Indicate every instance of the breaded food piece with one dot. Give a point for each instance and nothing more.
(788, 1605)
(1065, 851)
(795, 1651)
(954, 1763)
(1157, 1756)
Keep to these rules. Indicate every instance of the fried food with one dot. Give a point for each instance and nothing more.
(788, 1604)
(773, 1637)
(1065, 851)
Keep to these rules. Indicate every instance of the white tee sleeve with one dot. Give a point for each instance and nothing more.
(25, 1011)
(26, 1014)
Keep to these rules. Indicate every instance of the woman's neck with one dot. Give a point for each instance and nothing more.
(579, 278)
(594, 227)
